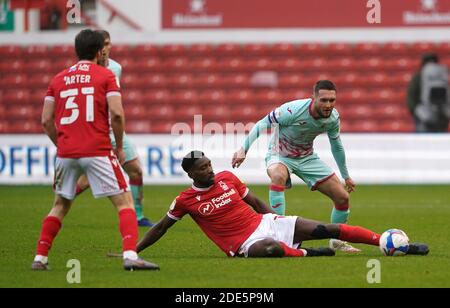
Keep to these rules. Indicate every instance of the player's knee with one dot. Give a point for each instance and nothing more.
(325, 231)
(278, 178)
(342, 202)
(273, 249)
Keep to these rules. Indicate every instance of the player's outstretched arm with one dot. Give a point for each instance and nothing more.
(260, 127)
(155, 233)
(258, 205)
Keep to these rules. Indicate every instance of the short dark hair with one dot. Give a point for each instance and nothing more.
(105, 34)
(190, 159)
(324, 85)
(88, 43)
(429, 58)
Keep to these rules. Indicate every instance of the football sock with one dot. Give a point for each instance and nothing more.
(339, 216)
(277, 199)
(50, 228)
(79, 190)
(136, 189)
(129, 229)
(358, 235)
(291, 252)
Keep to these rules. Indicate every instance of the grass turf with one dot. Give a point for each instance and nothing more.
(188, 259)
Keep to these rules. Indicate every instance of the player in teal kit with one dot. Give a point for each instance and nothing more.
(296, 124)
(131, 163)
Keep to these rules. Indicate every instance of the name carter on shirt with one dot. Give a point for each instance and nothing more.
(69, 80)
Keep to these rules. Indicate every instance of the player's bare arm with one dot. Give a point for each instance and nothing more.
(155, 233)
(48, 120)
(117, 124)
(258, 205)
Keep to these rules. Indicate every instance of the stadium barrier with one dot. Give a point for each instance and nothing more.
(371, 158)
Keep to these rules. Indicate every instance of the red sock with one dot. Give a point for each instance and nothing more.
(137, 182)
(79, 190)
(129, 229)
(291, 252)
(358, 235)
(50, 228)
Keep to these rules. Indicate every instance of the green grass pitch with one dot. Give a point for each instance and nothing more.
(188, 259)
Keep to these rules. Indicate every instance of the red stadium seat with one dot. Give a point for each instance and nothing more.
(40, 81)
(207, 81)
(155, 127)
(145, 50)
(176, 64)
(340, 50)
(181, 81)
(317, 64)
(148, 65)
(136, 112)
(37, 97)
(12, 66)
(311, 50)
(20, 112)
(120, 51)
(37, 51)
(393, 112)
(418, 49)
(269, 97)
(367, 49)
(204, 65)
(395, 49)
(341, 64)
(156, 97)
(284, 50)
(241, 97)
(63, 51)
(11, 52)
(187, 112)
(17, 96)
(184, 97)
(216, 113)
(228, 50)
(231, 65)
(363, 126)
(290, 81)
(256, 50)
(40, 66)
(152, 81)
(397, 126)
(172, 50)
(290, 65)
(14, 81)
(132, 98)
(129, 81)
(138, 127)
(212, 98)
(402, 64)
(260, 64)
(164, 112)
(236, 81)
(200, 50)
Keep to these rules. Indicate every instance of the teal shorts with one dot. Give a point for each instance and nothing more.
(128, 148)
(311, 169)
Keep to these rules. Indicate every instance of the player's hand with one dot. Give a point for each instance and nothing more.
(350, 185)
(120, 154)
(238, 158)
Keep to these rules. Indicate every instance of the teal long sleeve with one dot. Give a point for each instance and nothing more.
(339, 156)
(256, 131)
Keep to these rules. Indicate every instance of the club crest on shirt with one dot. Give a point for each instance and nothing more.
(206, 208)
(224, 186)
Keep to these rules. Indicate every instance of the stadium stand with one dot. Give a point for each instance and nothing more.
(227, 82)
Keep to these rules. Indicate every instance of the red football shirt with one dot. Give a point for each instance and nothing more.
(219, 211)
(81, 109)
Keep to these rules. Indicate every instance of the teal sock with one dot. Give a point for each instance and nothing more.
(135, 190)
(277, 199)
(339, 217)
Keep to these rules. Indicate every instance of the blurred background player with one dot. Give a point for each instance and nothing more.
(131, 165)
(242, 225)
(429, 96)
(297, 124)
(80, 103)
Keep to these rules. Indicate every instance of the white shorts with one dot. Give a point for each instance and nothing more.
(106, 176)
(279, 228)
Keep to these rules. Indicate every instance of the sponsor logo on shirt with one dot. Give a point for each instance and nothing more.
(206, 208)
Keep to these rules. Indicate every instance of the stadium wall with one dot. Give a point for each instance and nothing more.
(371, 158)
